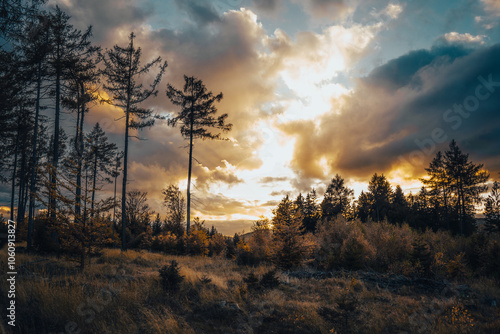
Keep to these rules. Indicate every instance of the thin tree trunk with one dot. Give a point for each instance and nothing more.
(79, 153)
(124, 187)
(189, 175)
(24, 201)
(446, 209)
(20, 200)
(77, 128)
(34, 162)
(188, 218)
(113, 223)
(80, 150)
(93, 185)
(85, 199)
(55, 157)
(13, 190)
(461, 205)
(125, 154)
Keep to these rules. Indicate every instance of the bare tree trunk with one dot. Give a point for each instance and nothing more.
(79, 152)
(113, 223)
(125, 154)
(34, 162)
(13, 190)
(189, 180)
(20, 200)
(93, 185)
(55, 157)
(124, 187)
(461, 205)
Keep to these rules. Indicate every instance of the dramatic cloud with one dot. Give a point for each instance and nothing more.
(309, 65)
(232, 52)
(235, 46)
(405, 110)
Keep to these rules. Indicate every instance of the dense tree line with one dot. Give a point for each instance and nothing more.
(386, 229)
(448, 200)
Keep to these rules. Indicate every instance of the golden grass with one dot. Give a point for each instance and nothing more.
(121, 293)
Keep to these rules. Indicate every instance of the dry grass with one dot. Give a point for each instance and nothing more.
(121, 293)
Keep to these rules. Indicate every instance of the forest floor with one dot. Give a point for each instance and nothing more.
(122, 293)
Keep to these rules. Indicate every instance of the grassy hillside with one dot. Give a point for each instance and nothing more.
(122, 293)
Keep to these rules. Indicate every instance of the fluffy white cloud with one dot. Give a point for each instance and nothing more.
(455, 37)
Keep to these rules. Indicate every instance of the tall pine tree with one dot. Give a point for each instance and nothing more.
(196, 118)
(337, 199)
(122, 73)
(467, 181)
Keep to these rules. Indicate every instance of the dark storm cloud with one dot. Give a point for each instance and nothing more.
(461, 97)
(402, 71)
(201, 12)
(404, 111)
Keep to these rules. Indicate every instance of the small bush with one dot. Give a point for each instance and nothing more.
(245, 256)
(269, 280)
(252, 281)
(456, 268)
(392, 244)
(216, 245)
(330, 235)
(171, 277)
(168, 243)
(198, 241)
(261, 240)
(355, 250)
(421, 256)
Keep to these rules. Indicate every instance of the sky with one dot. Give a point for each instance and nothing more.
(313, 88)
